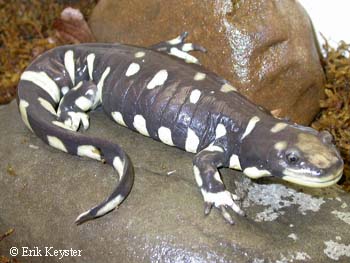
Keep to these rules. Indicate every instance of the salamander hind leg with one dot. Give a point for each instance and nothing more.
(75, 103)
(205, 167)
(178, 48)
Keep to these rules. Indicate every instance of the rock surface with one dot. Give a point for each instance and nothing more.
(265, 48)
(42, 191)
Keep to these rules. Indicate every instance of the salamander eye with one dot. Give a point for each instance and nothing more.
(292, 157)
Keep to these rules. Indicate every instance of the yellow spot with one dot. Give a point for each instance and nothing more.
(140, 54)
(280, 146)
(315, 151)
(23, 110)
(89, 151)
(278, 127)
(227, 88)
(47, 105)
(199, 76)
(56, 143)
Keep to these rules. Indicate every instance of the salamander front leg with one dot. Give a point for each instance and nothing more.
(178, 48)
(205, 167)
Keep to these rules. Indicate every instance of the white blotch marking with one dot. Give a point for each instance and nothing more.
(140, 54)
(140, 125)
(118, 164)
(280, 146)
(164, 135)
(23, 110)
(69, 64)
(183, 55)
(56, 143)
(158, 79)
(110, 205)
(132, 69)
(90, 92)
(250, 126)
(175, 41)
(217, 177)
(47, 106)
(187, 47)
(83, 103)
(118, 117)
(76, 118)
(197, 176)
(42, 80)
(101, 82)
(89, 151)
(199, 76)
(235, 163)
(69, 123)
(85, 121)
(90, 62)
(192, 141)
(94, 96)
(227, 88)
(195, 95)
(62, 125)
(220, 131)
(254, 172)
(214, 148)
(84, 118)
(82, 215)
(78, 85)
(64, 90)
(278, 127)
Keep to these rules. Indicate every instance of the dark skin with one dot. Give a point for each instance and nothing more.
(170, 100)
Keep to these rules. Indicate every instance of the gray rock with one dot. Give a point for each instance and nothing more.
(162, 220)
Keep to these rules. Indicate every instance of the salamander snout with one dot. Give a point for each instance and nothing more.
(295, 153)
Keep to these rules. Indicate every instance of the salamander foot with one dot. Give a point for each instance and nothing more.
(223, 201)
(178, 48)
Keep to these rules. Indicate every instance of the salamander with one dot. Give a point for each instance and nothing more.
(164, 93)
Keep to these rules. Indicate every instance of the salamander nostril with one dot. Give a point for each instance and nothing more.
(326, 137)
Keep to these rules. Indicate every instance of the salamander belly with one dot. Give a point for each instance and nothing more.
(169, 103)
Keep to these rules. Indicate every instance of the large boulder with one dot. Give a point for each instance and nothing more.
(266, 48)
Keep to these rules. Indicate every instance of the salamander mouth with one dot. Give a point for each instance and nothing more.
(303, 179)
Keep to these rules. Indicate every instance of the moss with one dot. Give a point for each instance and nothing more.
(25, 32)
(335, 114)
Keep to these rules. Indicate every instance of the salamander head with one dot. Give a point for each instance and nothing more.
(295, 153)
